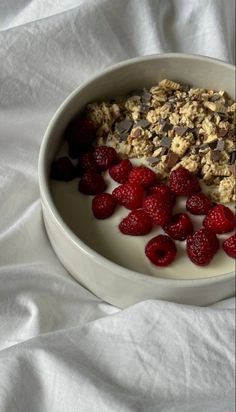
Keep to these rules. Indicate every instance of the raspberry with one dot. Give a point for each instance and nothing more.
(79, 134)
(105, 157)
(202, 246)
(129, 195)
(163, 193)
(87, 162)
(229, 246)
(81, 131)
(92, 183)
(103, 205)
(136, 223)
(198, 204)
(161, 250)
(143, 175)
(183, 183)
(159, 210)
(179, 227)
(76, 149)
(121, 171)
(78, 170)
(62, 169)
(220, 219)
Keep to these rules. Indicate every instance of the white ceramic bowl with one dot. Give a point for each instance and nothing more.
(107, 279)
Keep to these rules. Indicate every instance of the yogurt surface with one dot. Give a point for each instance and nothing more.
(128, 251)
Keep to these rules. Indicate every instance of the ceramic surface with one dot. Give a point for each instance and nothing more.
(126, 278)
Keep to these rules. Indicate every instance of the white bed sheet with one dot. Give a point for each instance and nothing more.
(61, 348)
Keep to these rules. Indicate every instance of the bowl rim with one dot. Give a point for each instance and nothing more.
(48, 202)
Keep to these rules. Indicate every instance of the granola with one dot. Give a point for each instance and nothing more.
(173, 124)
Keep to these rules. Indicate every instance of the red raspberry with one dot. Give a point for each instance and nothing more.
(229, 246)
(129, 195)
(81, 131)
(220, 219)
(136, 223)
(179, 227)
(87, 162)
(163, 192)
(105, 157)
(202, 246)
(158, 210)
(103, 205)
(62, 169)
(92, 183)
(183, 183)
(76, 150)
(78, 170)
(79, 134)
(121, 171)
(198, 204)
(142, 175)
(161, 250)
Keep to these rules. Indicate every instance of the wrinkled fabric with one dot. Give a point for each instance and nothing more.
(61, 348)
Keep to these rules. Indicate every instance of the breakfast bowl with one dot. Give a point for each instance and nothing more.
(111, 265)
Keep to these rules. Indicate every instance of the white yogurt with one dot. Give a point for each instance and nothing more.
(128, 251)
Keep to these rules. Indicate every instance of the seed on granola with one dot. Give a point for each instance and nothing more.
(167, 126)
(220, 145)
(146, 96)
(161, 120)
(144, 109)
(143, 123)
(123, 136)
(164, 150)
(181, 130)
(215, 155)
(166, 142)
(124, 125)
(214, 98)
(153, 160)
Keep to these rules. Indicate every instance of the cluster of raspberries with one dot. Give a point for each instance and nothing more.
(151, 203)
